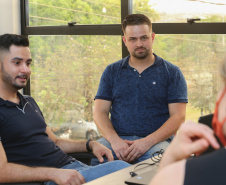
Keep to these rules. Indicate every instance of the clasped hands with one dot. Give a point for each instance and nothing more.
(192, 138)
(130, 150)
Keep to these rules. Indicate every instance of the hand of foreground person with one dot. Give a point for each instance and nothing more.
(192, 138)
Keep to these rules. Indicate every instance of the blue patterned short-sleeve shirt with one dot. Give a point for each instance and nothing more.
(140, 101)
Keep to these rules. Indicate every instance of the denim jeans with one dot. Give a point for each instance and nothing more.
(162, 145)
(93, 172)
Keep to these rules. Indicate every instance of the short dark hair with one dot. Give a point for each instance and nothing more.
(7, 40)
(136, 19)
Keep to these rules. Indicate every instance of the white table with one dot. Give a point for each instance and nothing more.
(119, 177)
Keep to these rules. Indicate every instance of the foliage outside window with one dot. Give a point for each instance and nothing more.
(60, 12)
(65, 74)
(67, 69)
(172, 11)
(198, 57)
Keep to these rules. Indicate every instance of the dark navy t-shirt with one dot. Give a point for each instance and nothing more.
(140, 101)
(208, 169)
(23, 136)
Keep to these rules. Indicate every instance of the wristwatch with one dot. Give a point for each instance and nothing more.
(87, 145)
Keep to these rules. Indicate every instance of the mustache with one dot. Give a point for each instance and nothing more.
(140, 48)
(22, 76)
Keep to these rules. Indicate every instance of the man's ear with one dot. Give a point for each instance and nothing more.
(124, 40)
(153, 36)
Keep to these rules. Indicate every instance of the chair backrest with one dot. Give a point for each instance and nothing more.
(84, 157)
(207, 120)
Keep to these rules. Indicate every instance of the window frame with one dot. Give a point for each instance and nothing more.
(113, 29)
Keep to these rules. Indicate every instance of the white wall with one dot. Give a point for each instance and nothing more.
(10, 16)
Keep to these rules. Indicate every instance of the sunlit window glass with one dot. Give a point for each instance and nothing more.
(66, 71)
(198, 56)
(58, 12)
(166, 11)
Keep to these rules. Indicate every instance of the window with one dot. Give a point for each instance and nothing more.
(198, 57)
(52, 12)
(166, 11)
(69, 60)
(66, 71)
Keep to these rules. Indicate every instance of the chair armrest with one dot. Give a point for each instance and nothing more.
(84, 157)
(207, 120)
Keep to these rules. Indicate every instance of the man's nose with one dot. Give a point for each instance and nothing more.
(139, 43)
(25, 68)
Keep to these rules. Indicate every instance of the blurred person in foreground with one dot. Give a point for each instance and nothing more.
(207, 169)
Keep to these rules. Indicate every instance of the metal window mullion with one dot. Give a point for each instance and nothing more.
(24, 13)
(126, 9)
(114, 29)
(111, 29)
(186, 28)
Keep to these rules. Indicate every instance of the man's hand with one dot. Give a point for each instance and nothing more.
(120, 146)
(66, 176)
(137, 148)
(100, 150)
(192, 138)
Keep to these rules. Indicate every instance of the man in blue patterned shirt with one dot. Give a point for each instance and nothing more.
(145, 95)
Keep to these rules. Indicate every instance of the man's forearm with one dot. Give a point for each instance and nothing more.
(11, 172)
(105, 126)
(101, 118)
(169, 128)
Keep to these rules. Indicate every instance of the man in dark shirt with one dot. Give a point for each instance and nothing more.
(29, 151)
(144, 95)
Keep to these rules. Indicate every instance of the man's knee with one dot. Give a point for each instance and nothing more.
(119, 164)
(153, 151)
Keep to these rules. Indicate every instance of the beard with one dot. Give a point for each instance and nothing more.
(10, 81)
(141, 54)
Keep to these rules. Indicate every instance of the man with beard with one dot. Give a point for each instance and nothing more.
(145, 95)
(29, 151)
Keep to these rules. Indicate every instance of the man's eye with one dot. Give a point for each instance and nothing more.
(16, 62)
(28, 63)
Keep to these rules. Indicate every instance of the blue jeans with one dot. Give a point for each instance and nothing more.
(162, 145)
(93, 172)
